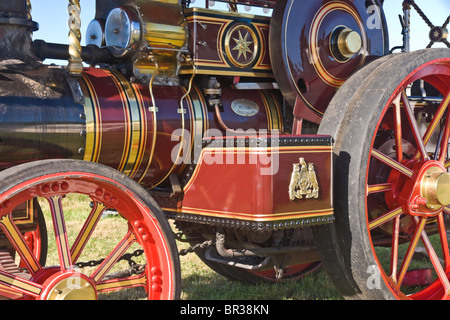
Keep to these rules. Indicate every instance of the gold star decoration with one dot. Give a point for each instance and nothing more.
(242, 45)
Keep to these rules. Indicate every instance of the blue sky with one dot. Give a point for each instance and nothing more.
(52, 18)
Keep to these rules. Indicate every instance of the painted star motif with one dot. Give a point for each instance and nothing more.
(242, 45)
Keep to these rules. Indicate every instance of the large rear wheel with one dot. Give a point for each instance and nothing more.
(392, 182)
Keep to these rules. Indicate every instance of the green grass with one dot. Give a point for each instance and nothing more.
(199, 282)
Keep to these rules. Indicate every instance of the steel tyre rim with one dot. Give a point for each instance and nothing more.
(401, 203)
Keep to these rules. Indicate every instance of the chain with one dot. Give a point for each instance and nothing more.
(126, 256)
(191, 249)
(446, 22)
(421, 13)
(430, 24)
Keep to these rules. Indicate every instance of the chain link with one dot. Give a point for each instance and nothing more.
(429, 23)
(421, 13)
(127, 256)
(191, 249)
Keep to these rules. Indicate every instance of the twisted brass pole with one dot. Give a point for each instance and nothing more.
(75, 66)
(29, 10)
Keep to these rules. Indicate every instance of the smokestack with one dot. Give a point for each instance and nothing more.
(16, 27)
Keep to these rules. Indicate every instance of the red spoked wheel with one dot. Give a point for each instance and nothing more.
(392, 180)
(133, 249)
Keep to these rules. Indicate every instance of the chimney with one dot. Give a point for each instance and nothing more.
(16, 27)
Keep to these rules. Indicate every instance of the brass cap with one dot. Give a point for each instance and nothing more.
(72, 288)
(443, 189)
(435, 188)
(349, 42)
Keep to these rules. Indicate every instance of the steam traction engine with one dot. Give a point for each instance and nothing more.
(274, 143)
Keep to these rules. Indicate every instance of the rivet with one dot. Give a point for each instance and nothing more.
(7, 204)
(156, 279)
(155, 270)
(156, 287)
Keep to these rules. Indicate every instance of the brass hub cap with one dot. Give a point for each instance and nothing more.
(435, 188)
(349, 42)
(70, 286)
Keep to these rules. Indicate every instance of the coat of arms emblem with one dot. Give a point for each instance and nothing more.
(303, 181)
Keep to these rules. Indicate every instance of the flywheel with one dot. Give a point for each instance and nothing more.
(316, 46)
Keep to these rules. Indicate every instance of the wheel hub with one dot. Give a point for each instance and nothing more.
(429, 192)
(349, 42)
(70, 286)
(435, 188)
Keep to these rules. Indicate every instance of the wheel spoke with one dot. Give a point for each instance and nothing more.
(385, 218)
(375, 188)
(413, 123)
(59, 226)
(435, 121)
(114, 256)
(122, 283)
(398, 130)
(87, 229)
(445, 136)
(412, 247)
(392, 163)
(435, 259)
(20, 285)
(394, 251)
(19, 243)
(444, 240)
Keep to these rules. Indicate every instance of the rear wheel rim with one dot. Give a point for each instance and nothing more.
(399, 200)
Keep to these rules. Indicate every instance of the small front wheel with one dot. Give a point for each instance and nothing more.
(91, 255)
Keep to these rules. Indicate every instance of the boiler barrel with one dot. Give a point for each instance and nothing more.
(102, 117)
(39, 118)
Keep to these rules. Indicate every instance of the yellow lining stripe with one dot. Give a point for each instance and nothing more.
(378, 188)
(135, 281)
(392, 163)
(114, 256)
(93, 121)
(19, 243)
(255, 217)
(20, 284)
(60, 231)
(87, 229)
(384, 218)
